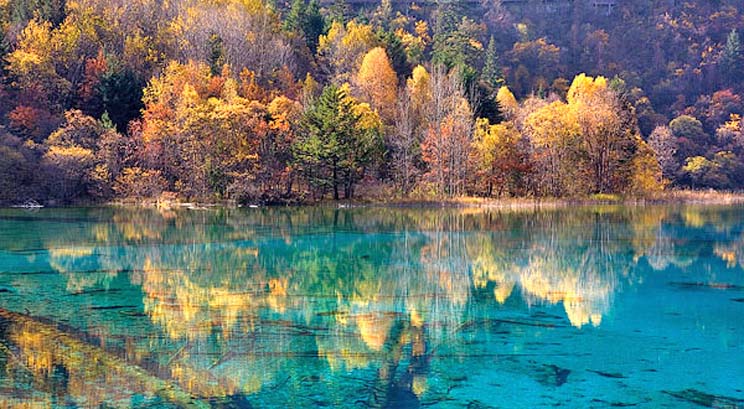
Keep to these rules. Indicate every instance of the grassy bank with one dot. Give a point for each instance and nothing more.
(679, 197)
(708, 197)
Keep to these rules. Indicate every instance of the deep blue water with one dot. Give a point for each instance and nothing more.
(372, 307)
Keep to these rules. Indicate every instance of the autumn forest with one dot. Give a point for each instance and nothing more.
(269, 101)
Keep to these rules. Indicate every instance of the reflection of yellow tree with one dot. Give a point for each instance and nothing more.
(585, 294)
(646, 226)
(732, 253)
(69, 260)
(216, 283)
(443, 283)
(187, 310)
(492, 264)
(343, 353)
(213, 306)
(572, 260)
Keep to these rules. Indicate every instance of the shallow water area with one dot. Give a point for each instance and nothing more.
(594, 306)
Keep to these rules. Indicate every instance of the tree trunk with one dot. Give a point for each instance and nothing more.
(335, 183)
(347, 189)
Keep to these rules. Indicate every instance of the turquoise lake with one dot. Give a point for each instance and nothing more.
(604, 306)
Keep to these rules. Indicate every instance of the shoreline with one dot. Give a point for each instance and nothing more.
(679, 197)
(675, 197)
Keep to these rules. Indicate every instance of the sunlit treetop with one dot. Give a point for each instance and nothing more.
(585, 89)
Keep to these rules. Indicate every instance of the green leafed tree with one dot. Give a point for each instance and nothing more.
(121, 92)
(216, 54)
(338, 144)
(397, 53)
(491, 80)
(306, 19)
(313, 25)
(492, 74)
(732, 59)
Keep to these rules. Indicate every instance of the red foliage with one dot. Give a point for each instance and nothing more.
(32, 123)
(94, 70)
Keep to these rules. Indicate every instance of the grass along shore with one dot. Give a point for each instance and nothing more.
(671, 197)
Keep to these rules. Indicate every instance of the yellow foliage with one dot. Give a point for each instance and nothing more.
(189, 97)
(285, 110)
(552, 125)
(646, 171)
(492, 142)
(734, 124)
(343, 47)
(334, 32)
(229, 88)
(475, 44)
(377, 82)
(352, 36)
(422, 31)
(696, 164)
(419, 87)
(358, 33)
(368, 118)
(36, 37)
(585, 89)
(507, 102)
(33, 54)
(71, 152)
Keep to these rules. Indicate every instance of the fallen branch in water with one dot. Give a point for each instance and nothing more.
(91, 359)
(706, 399)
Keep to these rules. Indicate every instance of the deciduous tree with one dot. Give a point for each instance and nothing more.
(608, 132)
(446, 144)
(378, 83)
(664, 145)
(500, 162)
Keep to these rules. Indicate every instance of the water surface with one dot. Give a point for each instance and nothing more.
(372, 307)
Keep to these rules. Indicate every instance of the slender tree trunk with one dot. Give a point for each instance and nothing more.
(335, 183)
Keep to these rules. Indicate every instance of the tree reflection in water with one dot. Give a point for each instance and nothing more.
(232, 302)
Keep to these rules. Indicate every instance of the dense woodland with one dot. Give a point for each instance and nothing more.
(260, 101)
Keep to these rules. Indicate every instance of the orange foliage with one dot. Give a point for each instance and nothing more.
(32, 123)
(94, 69)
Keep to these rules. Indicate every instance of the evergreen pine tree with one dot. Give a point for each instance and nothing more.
(216, 54)
(333, 150)
(732, 59)
(121, 92)
(339, 11)
(313, 25)
(296, 16)
(396, 52)
(491, 71)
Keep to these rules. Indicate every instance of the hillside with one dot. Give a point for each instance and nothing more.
(272, 102)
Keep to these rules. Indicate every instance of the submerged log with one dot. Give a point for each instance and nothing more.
(701, 285)
(111, 307)
(39, 347)
(607, 374)
(706, 399)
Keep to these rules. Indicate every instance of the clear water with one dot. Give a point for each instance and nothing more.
(372, 307)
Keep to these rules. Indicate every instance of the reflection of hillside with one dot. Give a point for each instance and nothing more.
(236, 299)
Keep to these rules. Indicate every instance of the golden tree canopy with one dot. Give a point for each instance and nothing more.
(507, 102)
(377, 82)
